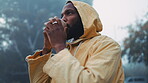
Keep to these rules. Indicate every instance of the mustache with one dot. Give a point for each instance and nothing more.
(68, 28)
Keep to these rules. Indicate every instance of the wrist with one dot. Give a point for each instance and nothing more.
(59, 47)
(46, 50)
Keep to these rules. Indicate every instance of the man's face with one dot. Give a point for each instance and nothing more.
(73, 20)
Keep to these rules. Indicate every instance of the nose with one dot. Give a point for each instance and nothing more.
(64, 19)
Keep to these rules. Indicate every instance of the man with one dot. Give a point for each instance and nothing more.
(89, 58)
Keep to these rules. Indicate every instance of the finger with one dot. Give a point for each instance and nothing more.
(53, 20)
(48, 32)
(58, 20)
(48, 25)
(45, 34)
(50, 18)
(46, 28)
(65, 29)
(45, 23)
(60, 23)
(43, 28)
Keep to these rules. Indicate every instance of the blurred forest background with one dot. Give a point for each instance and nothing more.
(21, 23)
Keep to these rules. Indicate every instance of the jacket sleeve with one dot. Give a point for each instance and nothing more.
(101, 67)
(35, 68)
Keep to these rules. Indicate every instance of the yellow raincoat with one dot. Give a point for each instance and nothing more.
(93, 58)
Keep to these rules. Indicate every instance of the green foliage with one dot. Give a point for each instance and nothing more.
(136, 45)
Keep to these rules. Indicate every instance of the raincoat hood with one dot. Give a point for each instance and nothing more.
(90, 19)
(94, 60)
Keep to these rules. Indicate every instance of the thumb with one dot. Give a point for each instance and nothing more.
(66, 30)
(45, 34)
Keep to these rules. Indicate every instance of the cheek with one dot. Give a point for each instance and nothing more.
(72, 20)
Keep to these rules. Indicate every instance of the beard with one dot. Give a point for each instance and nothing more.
(75, 31)
(69, 32)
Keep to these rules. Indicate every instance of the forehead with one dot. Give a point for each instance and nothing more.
(68, 6)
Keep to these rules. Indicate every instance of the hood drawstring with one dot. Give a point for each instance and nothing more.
(78, 48)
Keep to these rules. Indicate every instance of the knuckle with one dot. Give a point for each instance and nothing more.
(58, 19)
(49, 33)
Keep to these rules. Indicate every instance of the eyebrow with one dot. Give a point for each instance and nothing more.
(69, 9)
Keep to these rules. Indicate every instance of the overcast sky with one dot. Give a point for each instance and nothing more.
(119, 13)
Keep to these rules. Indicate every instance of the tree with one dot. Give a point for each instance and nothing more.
(21, 34)
(136, 45)
(21, 23)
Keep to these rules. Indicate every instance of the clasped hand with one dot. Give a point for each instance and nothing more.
(56, 34)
